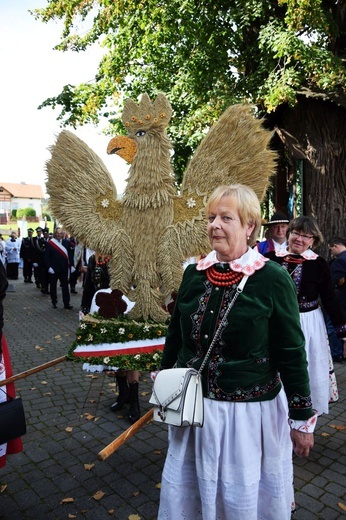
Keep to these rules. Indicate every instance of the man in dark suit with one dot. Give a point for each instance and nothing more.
(59, 262)
(40, 270)
(28, 254)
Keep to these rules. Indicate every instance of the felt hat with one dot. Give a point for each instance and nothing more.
(277, 218)
(30, 229)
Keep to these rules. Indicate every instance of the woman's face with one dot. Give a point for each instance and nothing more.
(227, 236)
(298, 241)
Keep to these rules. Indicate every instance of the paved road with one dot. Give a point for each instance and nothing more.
(58, 475)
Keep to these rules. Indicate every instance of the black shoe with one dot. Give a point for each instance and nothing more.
(44, 291)
(69, 307)
(30, 281)
(73, 291)
(55, 306)
(338, 359)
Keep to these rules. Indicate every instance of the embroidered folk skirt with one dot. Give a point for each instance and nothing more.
(237, 467)
(320, 363)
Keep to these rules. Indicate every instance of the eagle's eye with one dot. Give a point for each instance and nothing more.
(140, 133)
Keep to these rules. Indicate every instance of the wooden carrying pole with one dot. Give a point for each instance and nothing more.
(27, 373)
(119, 441)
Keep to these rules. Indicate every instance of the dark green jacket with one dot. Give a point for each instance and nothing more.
(262, 339)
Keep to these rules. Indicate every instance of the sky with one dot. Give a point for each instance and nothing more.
(31, 71)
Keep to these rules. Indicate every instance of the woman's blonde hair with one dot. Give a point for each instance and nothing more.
(248, 205)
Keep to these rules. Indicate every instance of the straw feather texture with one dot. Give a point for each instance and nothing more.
(152, 229)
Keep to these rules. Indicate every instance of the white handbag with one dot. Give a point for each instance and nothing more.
(178, 397)
(177, 392)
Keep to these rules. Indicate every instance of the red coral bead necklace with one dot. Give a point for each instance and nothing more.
(223, 279)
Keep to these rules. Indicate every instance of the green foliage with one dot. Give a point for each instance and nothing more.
(28, 212)
(14, 213)
(204, 55)
(46, 216)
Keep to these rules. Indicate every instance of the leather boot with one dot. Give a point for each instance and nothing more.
(124, 394)
(135, 412)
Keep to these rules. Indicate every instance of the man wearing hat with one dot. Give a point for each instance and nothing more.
(27, 253)
(276, 241)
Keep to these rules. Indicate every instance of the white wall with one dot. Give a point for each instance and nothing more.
(21, 203)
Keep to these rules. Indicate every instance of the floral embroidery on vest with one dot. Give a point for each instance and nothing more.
(299, 402)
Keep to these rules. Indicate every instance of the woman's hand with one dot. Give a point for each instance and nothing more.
(302, 442)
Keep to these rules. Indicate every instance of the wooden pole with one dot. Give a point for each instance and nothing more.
(27, 373)
(119, 441)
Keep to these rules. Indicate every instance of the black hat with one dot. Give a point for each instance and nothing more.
(278, 218)
(38, 229)
(46, 230)
(30, 229)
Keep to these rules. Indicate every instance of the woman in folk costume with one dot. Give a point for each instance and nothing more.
(311, 276)
(14, 446)
(239, 465)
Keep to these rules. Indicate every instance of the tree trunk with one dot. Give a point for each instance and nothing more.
(320, 130)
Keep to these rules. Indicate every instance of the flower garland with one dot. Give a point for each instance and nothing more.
(94, 330)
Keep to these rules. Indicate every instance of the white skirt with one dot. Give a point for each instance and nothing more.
(237, 467)
(320, 364)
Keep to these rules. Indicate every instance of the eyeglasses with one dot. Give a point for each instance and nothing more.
(304, 237)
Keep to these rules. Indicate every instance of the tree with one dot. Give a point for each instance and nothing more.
(28, 212)
(205, 56)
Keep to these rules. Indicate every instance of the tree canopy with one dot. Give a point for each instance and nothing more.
(203, 55)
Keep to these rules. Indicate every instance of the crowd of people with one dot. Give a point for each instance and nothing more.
(270, 374)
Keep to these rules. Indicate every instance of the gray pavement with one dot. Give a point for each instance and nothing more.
(58, 475)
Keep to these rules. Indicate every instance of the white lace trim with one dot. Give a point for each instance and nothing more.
(308, 254)
(247, 264)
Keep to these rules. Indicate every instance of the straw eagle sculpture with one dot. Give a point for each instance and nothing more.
(153, 228)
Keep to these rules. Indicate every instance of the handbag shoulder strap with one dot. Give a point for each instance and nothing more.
(239, 290)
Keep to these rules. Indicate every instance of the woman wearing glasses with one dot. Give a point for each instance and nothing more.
(311, 277)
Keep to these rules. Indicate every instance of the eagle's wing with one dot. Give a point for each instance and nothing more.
(83, 198)
(235, 150)
(82, 192)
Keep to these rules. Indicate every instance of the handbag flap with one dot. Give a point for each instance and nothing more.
(169, 385)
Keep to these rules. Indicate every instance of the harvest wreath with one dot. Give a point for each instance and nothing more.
(121, 343)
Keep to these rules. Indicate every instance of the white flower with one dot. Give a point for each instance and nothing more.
(191, 203)
(121, 331)
(137, 356)
(90, 337)
(146, 328)
(103, 331)
(83, 326)
(156, 356)
(106, 360)
(105, 203)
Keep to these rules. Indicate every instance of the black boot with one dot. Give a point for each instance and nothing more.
(124, 394)
(135, 412)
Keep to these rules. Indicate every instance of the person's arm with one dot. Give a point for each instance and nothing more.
(337, 271)
(174, 333)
